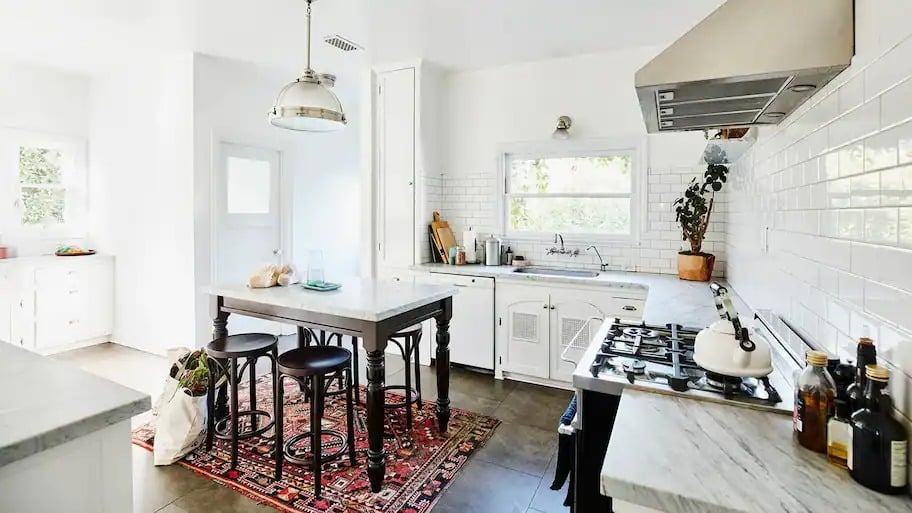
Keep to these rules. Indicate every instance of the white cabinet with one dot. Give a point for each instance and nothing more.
(394, 137)
(523, 319)
(6, 304)
(55, 304)
(538, 325)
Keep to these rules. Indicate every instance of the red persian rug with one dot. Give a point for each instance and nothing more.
(419, 465)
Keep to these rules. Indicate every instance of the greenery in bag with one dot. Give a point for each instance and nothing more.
(693, 210)
(192, 373)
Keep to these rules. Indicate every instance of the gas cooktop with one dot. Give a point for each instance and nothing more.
(662, 356)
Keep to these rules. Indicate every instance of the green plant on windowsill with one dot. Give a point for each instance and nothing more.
(693, 212)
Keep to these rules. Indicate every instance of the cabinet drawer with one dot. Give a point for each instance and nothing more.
(458, 280)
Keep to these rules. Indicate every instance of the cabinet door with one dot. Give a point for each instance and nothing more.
(395, 138)
(99, 313)
(522, 329)
(6, 305)
(575, 318)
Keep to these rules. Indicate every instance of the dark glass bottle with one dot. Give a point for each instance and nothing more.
(867, 355)
(879, 442)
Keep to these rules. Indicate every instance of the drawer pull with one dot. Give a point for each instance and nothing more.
(630, 308)
(73, 321)
(72, 291)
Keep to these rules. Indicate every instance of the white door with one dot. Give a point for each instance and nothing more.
(396, 173)
(248, 221)
(523, 313)
(575, 317)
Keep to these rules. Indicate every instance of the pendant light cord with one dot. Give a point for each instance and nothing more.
(308, 34)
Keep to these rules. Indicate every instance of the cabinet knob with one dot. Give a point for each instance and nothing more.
(630, 308)
(552, 307)
(544, 307)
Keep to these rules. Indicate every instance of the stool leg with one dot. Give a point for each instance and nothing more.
(408, 385)
(279, 428)
(233, 377)
(341, 381)
(417, 367)
(210, 405)
(350, 419)
(355, 371)
(316, 425)
(251, 363)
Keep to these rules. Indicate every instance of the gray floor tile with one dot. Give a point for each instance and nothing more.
(155, 487)
(524, 448)
(483, 487)
(534, 405)
(547, 500)
(213, 497)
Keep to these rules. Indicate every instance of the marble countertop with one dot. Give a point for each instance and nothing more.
(43, 259)
(46, 403)
(736, 459)
(669, 298)
(359, 298)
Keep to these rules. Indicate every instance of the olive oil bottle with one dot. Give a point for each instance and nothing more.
(814, 403)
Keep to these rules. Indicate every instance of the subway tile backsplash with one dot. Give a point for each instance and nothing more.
(832, 185)
(470, 200)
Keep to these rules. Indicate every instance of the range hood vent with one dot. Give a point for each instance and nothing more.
(748, 63)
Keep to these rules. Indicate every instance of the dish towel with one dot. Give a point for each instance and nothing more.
(566, 453)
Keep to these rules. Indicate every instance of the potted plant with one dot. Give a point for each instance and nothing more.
(692, 212)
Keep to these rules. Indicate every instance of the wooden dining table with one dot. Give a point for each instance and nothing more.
(370, 310)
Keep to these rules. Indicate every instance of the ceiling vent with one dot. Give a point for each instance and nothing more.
(341, 43)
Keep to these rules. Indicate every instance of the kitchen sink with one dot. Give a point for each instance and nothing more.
(556, 272)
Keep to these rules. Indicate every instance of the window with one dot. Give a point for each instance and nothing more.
(249, 182)
(48, 177)
(586, 192)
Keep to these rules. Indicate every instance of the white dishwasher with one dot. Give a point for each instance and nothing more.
(472, 325)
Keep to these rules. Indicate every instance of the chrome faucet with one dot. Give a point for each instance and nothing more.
(562, 251)
(602, 264)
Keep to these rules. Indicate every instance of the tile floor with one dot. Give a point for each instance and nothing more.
(512, 473)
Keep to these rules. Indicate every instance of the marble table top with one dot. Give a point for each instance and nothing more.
(679, 455)
(359, 298)
(46, 403)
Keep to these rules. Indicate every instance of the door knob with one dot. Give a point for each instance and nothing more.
(277, 252)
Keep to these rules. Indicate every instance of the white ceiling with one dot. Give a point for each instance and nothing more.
(84, 35)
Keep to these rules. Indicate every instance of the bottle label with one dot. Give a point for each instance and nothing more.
(898, 463)
(850, 440)
(798, 414)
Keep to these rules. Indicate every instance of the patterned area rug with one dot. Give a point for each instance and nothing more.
(419, 465)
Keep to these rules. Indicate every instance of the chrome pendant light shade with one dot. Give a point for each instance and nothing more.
(307, 104)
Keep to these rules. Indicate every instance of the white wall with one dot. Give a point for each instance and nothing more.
(46, 101)
(833, 184)
(141, 195)
(231, 101)
(488, 107)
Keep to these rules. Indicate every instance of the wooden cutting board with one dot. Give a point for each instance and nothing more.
(447, 239)
(437, 224)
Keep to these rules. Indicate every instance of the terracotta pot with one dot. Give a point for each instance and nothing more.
(695, 267)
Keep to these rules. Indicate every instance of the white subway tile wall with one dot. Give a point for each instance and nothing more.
(832, 185)
(470, 200)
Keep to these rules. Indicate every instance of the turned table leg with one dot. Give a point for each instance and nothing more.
(443, 364)
(220, 330)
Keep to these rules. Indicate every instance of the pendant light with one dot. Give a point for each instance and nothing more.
(307, 104)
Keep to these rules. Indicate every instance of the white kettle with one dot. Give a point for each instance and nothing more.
(725, 346)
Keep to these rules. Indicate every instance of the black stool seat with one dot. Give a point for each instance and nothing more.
(242, 346)
(314, 360)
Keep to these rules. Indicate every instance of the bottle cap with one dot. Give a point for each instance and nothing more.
(877, 373)
(817, 358)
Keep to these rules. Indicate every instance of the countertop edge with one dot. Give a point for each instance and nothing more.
(49, 439)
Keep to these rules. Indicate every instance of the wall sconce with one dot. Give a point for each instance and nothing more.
(563, 128)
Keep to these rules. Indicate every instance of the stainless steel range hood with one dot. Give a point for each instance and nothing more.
(750, 62)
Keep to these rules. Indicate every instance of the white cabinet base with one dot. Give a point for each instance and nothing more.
(91, 474)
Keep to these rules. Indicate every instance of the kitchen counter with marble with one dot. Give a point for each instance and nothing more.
(736, 459)
(669, 299)
(47, 403)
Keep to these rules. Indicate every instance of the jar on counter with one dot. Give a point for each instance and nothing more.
(815, 394)
(460, 255)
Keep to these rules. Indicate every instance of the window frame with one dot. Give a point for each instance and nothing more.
(636, 147)
(74, 183)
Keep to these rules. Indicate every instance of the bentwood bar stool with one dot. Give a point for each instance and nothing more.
(225, 352)
(314, 368)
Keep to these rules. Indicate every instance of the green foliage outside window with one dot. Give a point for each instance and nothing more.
(40, 179)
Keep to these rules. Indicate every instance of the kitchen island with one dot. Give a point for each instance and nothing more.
(675, 454)
(64, 437)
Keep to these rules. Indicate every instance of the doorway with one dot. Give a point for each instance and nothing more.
(249, 218)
